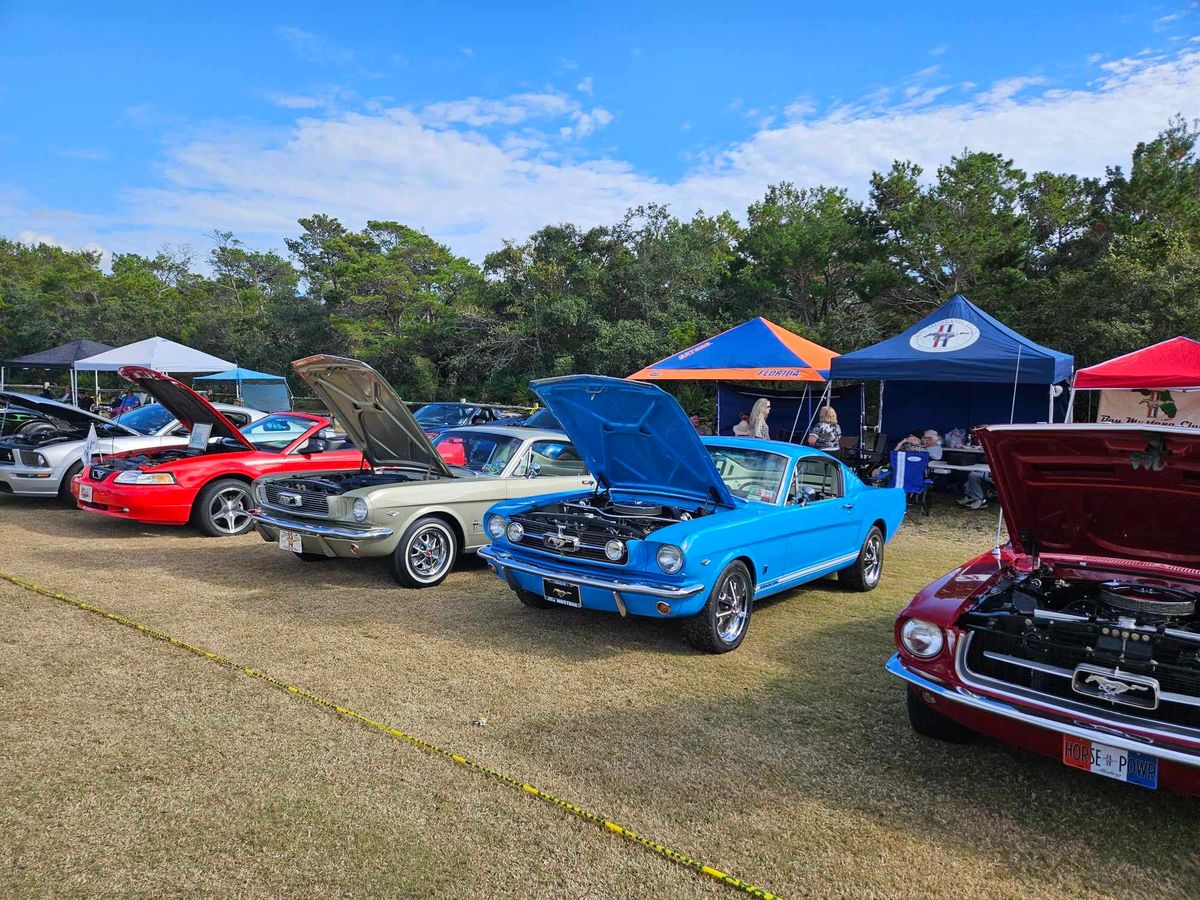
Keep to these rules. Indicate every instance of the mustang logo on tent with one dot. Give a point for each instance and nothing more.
(945, 336)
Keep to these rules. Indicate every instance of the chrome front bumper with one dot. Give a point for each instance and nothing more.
(314, 529)
(970, 699)
(501, 559)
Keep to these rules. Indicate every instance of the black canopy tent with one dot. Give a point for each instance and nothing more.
(64, 356)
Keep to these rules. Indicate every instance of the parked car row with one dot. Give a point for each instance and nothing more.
(1079, 638)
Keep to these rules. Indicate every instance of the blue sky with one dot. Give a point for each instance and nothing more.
(130, 126)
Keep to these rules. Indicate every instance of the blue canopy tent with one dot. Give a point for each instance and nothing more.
(258, 390)
(956, 368)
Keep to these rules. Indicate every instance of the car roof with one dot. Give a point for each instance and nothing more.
(795, 451)
(520, 432)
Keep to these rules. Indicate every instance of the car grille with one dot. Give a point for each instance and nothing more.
(587, 544)
(1052, 653)
(99, 473)
(313, 502)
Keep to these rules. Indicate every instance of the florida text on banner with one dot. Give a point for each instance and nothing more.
(1172, 407)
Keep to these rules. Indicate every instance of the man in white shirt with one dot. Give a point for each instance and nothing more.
(933, 444)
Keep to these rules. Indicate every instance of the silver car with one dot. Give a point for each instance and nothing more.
(421, 503)
(42, 461)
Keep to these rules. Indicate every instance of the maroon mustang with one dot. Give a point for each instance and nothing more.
(1080, 638)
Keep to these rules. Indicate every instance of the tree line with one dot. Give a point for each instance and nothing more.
(1092, 266)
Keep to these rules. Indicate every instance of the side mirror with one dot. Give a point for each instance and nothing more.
(312, 445)
(326, 434)
(533, 471)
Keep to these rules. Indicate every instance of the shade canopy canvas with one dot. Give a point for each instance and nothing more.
(757, 350)
(156, 353)
(64, 356)
(259, 390)
(958, 342)
(1170, 364)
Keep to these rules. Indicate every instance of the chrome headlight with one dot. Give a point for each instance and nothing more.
(670, 558)
(133, 476)
(359, 510)
(921, 638)
(614, 550)
(495, 527)
(515, 532)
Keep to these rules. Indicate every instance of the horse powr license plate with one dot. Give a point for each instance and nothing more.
(85, 493)
(291, 540)
(1111, 762)
(561, 592)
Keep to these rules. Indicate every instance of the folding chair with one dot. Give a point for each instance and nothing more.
(909, 470)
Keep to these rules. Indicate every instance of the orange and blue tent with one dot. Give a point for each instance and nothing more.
(758, 350)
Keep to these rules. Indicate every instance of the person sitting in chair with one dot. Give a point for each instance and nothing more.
(931, 443)
(742, 428)
(826, 434)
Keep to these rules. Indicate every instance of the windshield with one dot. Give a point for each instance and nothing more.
(543, 418)
(275, 433)
(146, 419)
(479, 451)
(443, 414)
(755, 475)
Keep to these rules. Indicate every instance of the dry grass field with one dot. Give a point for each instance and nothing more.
(132, 768)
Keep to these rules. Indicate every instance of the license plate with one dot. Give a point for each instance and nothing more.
(1111, 762)
(85, 493)
(561, 592)
(291, 540)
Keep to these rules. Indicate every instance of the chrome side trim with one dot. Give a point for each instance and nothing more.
(1008, 711)
(356, 535)
(1064, 707)
(501, 559)
(809, 570)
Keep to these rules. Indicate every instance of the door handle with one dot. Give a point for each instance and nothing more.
(847, 506)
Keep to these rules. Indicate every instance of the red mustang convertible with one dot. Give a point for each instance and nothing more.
(207, 482)
(1080, 639)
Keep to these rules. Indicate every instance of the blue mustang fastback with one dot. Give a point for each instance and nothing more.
(684, 527)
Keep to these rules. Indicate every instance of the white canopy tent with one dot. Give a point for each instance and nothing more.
(153, 353)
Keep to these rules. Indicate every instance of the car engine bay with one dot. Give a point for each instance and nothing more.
(601, 515)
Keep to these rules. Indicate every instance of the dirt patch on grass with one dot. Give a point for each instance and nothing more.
(133, 768)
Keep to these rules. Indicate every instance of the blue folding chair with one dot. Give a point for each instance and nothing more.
(909, 470)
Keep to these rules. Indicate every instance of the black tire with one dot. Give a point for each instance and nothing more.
(310, 557)
(64, 490)
(222, 508)
(867, 569)
(928, 722)
(532, 600)
(426, 554)
(711, 630)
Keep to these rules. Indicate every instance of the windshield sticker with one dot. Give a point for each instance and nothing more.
(767, 496)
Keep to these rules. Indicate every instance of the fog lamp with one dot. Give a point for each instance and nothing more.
(614, 550)
(515, 532)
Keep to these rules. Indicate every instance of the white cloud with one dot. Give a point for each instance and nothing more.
(313, 48)
(939, 50)
(585, 86)
(474, 171)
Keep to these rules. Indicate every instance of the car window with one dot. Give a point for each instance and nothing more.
(551, 458)
(543, 418)
(237, 418)
(146, 419)
(479, 451)
(275, 432)
(755, 475)
(822, 476)
(441, 414)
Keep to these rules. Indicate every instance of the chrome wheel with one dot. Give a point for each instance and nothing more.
(228, 512)
(733, 607)
(430, 552)
(872, 559)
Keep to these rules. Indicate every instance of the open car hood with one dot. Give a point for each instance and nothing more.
(374, 416)
(633, 436)
(183, 403)
(1127, 491)
(62, 412)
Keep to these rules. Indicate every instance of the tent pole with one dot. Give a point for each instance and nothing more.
(1, 378)
(1071, 402)
(879, 424)
(1050, 416)
(717, 420)
(795, 421)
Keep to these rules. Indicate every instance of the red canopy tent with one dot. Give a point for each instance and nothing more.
(1172, 365)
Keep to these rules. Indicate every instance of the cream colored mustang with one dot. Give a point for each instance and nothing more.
(421, 503)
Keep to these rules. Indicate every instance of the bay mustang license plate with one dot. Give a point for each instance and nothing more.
(85, 493)
(561, 592)
(291, 540)
(1111, 762)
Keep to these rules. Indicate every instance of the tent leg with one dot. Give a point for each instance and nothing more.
(1071, 403)
(1050, 417)
(879, 424)
(1, 378)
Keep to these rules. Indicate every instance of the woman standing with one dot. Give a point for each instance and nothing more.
(758, 419)
(827, 434)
